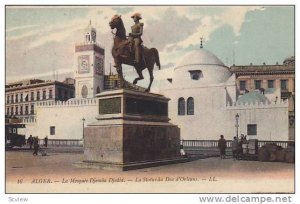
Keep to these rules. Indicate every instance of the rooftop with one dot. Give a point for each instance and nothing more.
(262, 68)
(199, 57)
(36, 82)
(288, 65)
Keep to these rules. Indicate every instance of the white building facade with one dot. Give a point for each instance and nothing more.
(204, 103)
(62, 120)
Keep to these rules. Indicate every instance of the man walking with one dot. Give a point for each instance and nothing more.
(46, 141)
(30, 141)
(235, 147)
(222, 146)
(36, 145)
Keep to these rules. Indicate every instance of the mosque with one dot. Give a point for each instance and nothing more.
(204, 100)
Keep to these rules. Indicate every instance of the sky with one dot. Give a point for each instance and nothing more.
(41, 40)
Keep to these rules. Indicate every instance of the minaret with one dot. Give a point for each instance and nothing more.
(89, 65)
(91, 34)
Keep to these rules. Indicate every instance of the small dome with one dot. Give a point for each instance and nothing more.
(253, 97)
(200, 68)
(200, 57)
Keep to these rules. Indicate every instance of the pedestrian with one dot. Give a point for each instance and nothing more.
(30, 141)
(235, 147)
(36, 145)
(182, 152)
(46, 141)
(245, 139)
(222, 146)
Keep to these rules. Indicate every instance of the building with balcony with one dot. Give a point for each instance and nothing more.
(267, 78)
(21, 97)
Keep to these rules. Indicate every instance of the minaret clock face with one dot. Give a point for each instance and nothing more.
(99, 65)
(83, 64)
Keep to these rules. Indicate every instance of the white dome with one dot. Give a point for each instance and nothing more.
(199, 57)
(200, 68)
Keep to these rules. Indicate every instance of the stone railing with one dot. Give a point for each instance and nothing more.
(63, 142)
(29, 120)
(196, 144)
(73, 102)
(278, 104)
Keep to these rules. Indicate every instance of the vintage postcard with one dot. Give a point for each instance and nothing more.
(150, 99)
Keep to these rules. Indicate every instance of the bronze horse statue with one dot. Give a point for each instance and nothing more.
(122, 53)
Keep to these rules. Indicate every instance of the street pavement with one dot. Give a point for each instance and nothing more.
(50, 149)
(56, 173)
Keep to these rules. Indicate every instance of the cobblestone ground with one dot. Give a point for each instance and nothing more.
(56, 173)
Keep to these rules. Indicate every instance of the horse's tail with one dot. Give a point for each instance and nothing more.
(156, 56)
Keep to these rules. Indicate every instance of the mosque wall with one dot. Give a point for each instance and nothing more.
(271, 120)
(209, 105)
(213, 117)
(231, 91)
(64, 118)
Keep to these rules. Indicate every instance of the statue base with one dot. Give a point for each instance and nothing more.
(132, 131)
(128, 166)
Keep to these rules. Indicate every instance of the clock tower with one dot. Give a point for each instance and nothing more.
(89, 66)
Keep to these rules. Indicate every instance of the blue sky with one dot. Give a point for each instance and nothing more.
(40, 40)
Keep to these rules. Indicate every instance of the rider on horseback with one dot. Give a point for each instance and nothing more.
(135, 37)
(122, 54)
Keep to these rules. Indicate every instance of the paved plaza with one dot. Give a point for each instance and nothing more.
(56, 173)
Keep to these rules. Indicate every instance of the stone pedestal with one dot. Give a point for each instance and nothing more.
(132, 131)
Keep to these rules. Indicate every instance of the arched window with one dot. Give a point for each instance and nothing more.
(87, 37)
(190, 106)
(181, 106)
(84, 91)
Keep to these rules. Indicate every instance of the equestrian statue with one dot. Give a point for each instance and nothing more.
(129, 49)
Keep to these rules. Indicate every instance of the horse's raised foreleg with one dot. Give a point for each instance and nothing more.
(140, 76)
(120, 73)
(150, 69)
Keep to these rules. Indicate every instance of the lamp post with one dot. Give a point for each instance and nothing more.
(83, 119)
(237, 125)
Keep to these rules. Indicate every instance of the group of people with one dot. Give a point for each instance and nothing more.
(35, 143)
(237, 146)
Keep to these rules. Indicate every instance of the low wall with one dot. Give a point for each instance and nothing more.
(210, 147)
